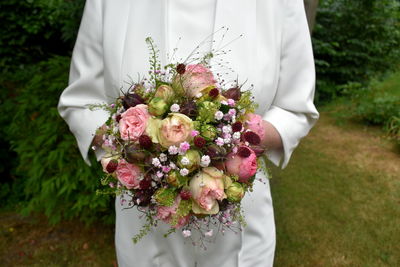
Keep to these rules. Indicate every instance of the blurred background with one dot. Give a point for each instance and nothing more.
(336, 204)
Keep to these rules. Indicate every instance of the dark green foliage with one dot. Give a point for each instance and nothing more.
(56, 179)
(380, 104)
(32, 30)
(354, 41)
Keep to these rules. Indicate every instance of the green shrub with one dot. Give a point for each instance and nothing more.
(56, 180)
(32, 30)
(380, 104)
(354, 41)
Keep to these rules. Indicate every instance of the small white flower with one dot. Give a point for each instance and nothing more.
(186, 233)
(173, 150)
(185, 161)
(163, 157)
(223, 102)
(199, 95)
(115, 130)
(227, 140)
(218, 115)
(227, 129)
(160, 174)
(205, 161)
(184, 172)
(232, 112)
(175, 108)
(209, 233)
(156, 162)
(219, 141)
(172, 165)
(236, 135)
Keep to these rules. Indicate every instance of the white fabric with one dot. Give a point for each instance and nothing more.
(274, 54)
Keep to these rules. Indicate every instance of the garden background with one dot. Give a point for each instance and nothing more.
(337, 204)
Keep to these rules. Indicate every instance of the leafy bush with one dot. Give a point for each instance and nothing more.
(35, 29)
(56, 180)
(354, 41)
(380, 104)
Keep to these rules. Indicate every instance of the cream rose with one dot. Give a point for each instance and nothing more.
(175, 129)
(206, 188)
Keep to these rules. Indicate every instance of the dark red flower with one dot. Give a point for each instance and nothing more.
(145, 141)
(237, 126)
(112, 166)
(199, 141)
(145, 184)
(181, 68)
(252, 138)
(142, 197)
(118, 118)
(185, 194)
(213, 92)
(244, 152)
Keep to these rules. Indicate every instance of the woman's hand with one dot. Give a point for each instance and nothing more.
(270, 137)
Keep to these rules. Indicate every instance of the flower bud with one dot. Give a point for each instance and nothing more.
(133, 154)
(131, 100)
(216, 152)
(165, 92)
(233, 93)
(157, 106)
(208, 131)
(172, 178)
(194, 160)
(207, 110)
(235, 192)
(189, 108)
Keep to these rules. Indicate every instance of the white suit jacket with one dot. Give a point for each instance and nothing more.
(274, 54)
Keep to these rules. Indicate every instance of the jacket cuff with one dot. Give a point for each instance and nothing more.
(283, 121)
(85, 123)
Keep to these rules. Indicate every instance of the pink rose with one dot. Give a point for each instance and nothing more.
(167, 213)
(206, 188)
(175, 129)
(129, 174)
(133, 122)
(242, 164)
(255, 123)
(196, 78)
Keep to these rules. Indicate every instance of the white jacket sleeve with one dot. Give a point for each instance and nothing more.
(292, 112)
(86, 81)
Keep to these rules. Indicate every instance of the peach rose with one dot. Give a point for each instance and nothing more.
(129, 174)
(196, 78)
(206, 188)
(175, 129)
(167, 213)
(255, 123)
(242, 164)
(133, 122)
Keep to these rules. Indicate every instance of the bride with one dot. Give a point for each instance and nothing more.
(274, 53)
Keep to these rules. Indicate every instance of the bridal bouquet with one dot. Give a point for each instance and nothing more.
(182, 148)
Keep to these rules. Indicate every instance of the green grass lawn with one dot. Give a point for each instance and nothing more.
(336, 204)
(338, 201)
